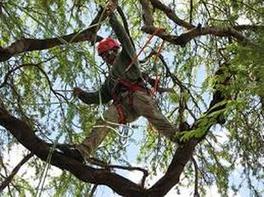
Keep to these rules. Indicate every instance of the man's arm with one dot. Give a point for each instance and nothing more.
(97, 97)
(122, 36)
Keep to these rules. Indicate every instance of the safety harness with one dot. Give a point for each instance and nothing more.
(123, 85)
(137, 86)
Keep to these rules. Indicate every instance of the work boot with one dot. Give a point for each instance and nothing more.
(70, 151)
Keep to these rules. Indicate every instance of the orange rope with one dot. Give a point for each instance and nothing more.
(154, 90)
(142, 49)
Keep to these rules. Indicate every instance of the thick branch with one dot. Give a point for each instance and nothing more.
(147, 12)
(27, 44)
(184, 38)
(25, 135)
(184, 153)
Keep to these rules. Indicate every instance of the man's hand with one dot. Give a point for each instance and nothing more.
(76, 91)
(110, 7)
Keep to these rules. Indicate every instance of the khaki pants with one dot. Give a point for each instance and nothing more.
(143, 105)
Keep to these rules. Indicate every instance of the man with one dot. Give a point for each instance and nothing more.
(125, 86)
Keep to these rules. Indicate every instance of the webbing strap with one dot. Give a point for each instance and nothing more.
(132, 87)
(121, 113)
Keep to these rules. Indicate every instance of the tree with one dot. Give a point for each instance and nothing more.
(46, 51)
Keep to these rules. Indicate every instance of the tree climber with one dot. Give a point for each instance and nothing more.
(126, 87)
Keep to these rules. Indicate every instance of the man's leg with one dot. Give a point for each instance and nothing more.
(99, 132)
(102, 127)
(145, 106)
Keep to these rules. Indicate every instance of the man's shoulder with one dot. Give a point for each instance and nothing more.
(122, 58)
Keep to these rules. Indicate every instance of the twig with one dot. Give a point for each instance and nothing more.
(26, 44)
(129, 168)
(18, 67)
(14, 172)
(93, 190)
(171, 15)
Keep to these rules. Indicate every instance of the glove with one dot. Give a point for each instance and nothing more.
(76, 91)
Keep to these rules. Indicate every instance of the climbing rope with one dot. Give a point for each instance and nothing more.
(142, 49)
(47, 166)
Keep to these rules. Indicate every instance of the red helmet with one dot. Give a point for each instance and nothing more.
(107, 44)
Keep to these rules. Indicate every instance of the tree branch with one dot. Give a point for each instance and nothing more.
(14, 172)
(193, 31)
(147, 13)
(184, 38)
(25, 135)
(27, 44)
(184, 153)
(191, 11)
(171, 15)
(249, 27)
(104, 165)
(196, 193)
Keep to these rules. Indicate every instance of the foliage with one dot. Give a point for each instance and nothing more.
(39, 90)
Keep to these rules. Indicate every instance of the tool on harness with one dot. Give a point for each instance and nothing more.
(125, 132)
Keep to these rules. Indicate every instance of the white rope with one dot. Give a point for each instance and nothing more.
(47, 166)
(117, 131)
